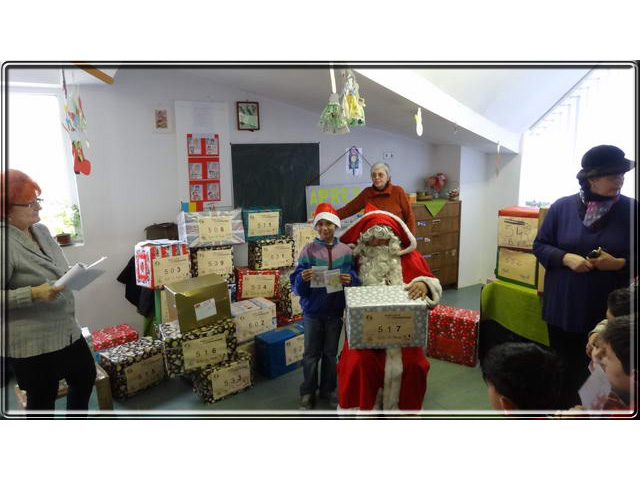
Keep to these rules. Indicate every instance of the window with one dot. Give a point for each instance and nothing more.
(39, 146)
(599, 110)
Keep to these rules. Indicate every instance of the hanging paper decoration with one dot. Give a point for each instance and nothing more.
(75, 124)
(352, 104)
(418, 118)
(203, 157)
(332, 120)
(354, 162)
(81, 165)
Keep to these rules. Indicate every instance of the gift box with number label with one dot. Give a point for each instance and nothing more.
(198, 301)
(379, 317)
(211, 228)
(196, 349)
(160, 262)
(213, 260)
(271, 253)
(253, 317)
(113, 336)
(453, 334)
(250, 348)
(251, 283)
(517, 227)
(280, 351)
(134, 366)
(218, 382)
(302, 234)
(288, 307)
(261, 223)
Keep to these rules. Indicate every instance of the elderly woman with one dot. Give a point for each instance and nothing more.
(585, 245)
(384, 196)
(45, 343)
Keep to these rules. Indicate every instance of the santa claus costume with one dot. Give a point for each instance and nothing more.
(394, 378)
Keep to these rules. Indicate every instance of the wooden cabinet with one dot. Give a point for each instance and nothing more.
(438, 240)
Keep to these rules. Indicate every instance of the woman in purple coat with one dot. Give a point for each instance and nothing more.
(586, 243)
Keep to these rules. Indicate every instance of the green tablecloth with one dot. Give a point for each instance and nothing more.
(516, 308)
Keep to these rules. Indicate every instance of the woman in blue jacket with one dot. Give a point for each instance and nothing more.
(585, 244)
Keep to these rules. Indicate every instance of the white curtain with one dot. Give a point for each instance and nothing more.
(600, 110)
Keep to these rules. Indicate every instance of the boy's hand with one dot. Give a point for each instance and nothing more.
(306, 274)
(345, 279)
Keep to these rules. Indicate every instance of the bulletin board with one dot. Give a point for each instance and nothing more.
(275, 175)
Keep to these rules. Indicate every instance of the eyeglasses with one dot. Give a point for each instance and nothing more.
(33, 205)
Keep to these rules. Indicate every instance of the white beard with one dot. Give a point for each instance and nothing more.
(379, 266)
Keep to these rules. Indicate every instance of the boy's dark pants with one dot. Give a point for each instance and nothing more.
(321, 336)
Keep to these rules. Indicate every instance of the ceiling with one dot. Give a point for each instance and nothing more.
(511, 97)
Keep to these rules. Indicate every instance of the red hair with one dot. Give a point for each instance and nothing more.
(18, 187)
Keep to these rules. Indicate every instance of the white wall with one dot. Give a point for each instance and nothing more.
(133, 182)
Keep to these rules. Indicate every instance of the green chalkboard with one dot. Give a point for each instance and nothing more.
(274, 175)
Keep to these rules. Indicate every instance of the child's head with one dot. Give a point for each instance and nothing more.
(326, 221)
(619, 302)
(614, 356)
(523, 376)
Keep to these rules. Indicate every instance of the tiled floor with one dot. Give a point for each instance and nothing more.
(450, 386)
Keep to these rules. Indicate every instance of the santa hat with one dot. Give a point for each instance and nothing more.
(372, 216)
(327, 212)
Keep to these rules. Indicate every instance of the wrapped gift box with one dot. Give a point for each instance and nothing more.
(288, 307)
(211, 228)
(213, 260)
(196, 349)
(134, 366)
(160, 262)
(253, 317)
(280, 351)
(379, 317)
(113, 336)
(250, 348)
(519, 267)
(302, 234)
(251, 283)
(517, 227)
(271, 253)
(261, 223)
(231, 377)
(199, 301)
(453, 334)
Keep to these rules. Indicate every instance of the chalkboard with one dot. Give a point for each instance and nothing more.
(274, 175)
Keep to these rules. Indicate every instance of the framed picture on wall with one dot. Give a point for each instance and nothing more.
(248, 115)
(162, 120)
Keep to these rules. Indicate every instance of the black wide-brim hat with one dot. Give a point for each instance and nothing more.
(604, 160)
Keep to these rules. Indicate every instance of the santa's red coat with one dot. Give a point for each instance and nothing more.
(361, 371)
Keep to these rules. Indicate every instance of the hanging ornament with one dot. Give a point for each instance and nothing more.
(81, 165)
(332, 119)
(352, 104)
(418, 118)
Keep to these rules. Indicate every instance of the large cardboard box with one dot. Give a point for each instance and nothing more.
(453, 334)
(302, 234)
(196, 349)
(280, 351)
(251, 283)
(213, 260)
(517, 227)
(252, 317)
(219, 382)
(160, 262)
(250, 348)
(134, 366)
(519, 267)
(211, 228)
(543, 214)
(261, 223)
(271, 253)
(198, 301)
(379, 317)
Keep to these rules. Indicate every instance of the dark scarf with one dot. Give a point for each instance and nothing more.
(595, 208)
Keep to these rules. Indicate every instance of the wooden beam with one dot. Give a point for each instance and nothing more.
(99, 74)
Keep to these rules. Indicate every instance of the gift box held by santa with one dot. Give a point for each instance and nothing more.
(393, 378)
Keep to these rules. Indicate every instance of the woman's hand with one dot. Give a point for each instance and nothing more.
(306, 274)
(45, 292)
(417, 290)
(606, 262)
(577, 263)
(345, 279)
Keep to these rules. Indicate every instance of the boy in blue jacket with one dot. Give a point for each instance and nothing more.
(322, 311)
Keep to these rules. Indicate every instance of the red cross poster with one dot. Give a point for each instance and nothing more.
(203, 154)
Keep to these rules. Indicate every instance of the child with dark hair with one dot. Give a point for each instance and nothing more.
(523, 376)
(620, 302)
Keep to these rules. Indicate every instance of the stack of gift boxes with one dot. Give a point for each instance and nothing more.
(215, 314)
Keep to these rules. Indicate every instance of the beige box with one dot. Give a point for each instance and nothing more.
(519, 267)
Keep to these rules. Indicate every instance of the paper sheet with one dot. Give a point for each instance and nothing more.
(595, 391)
(317, 278)
(80, 276)
(332, 281)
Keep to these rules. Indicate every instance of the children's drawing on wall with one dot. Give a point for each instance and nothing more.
(354, 161)
(196, 192)
(195, 171)
(213, 191)
(194, 145)
(213, 170)
(212, 145)
(203, 159)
